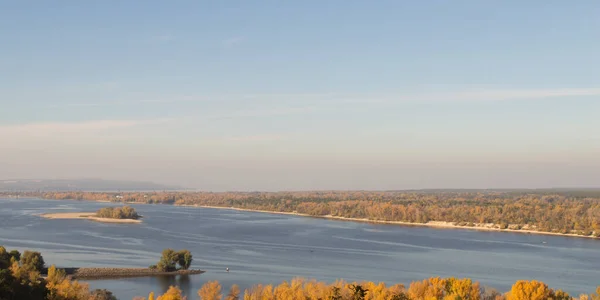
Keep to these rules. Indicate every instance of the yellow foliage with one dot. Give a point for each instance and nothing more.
(173, 293)
(65, 289)
(529, 290)
(234, 293)
(434, 288)
(210, 291)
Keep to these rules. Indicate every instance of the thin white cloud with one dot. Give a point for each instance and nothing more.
(255, 138)
(498, 95)
(477, 95)
(65, 128)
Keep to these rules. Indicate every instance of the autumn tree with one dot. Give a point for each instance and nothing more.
(529, 290)
(210, 291)
(234, 293)
(173, 293)
(61, 288)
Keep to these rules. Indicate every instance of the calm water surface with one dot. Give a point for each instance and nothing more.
(268, 248)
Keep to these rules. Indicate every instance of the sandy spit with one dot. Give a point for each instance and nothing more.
(87, 216)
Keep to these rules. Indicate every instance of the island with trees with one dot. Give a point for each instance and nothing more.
(125, 214)
(554, 211)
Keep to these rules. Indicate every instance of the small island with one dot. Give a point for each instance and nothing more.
(171, 263)
(124, 214)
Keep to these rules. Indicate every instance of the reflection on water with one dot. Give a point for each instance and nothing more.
(265, 248)
(182, 281)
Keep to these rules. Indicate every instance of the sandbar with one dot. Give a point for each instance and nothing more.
(87, 216)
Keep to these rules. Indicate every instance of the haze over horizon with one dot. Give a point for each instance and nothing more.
(303, 96)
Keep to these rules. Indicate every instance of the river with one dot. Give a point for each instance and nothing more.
(270, 248)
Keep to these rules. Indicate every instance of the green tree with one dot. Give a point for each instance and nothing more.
(14, 254)
(184, 259)
(32, 261)
(358, 292)
(103, 294)
(7, 284)
(168, 261)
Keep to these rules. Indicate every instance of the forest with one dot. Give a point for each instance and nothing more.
(559, 211)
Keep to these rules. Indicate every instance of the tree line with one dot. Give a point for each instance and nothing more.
(434, 288)
(574, 212)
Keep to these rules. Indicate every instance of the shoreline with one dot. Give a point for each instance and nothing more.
(430, 224)
(115, 273)
(91, 216)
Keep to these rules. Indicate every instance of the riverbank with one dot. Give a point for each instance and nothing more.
(432, 224)
(87, 216)
(114, 273)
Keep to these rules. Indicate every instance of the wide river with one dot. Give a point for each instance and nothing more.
(270, 248)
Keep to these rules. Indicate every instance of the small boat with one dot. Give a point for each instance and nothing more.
(227, 269)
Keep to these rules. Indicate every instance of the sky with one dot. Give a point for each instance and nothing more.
(302, 95)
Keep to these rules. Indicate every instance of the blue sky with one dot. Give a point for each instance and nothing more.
(272, 95)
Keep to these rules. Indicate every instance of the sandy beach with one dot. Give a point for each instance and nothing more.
(435, 224)
(87, 216)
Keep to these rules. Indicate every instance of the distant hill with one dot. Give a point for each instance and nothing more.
(100, 185)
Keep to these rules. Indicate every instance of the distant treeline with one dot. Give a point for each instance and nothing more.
(561, 211)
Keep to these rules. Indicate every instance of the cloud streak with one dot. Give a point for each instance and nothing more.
(65, 128)
(476, 95)
(255, 138)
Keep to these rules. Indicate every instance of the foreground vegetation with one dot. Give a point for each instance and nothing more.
(125, 212)
(21, 277)
(566, 212)
(429, 289)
